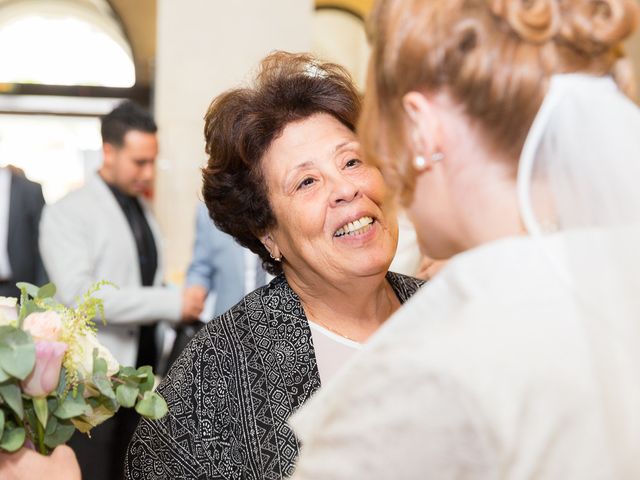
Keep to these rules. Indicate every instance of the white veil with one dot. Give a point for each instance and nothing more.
(579, 175)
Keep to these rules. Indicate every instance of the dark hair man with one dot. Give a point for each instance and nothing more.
(105, 231)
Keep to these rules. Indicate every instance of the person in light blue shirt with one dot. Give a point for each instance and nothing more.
(220, 274)
(220, 266)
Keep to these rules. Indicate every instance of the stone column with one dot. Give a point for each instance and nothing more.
(205, 47)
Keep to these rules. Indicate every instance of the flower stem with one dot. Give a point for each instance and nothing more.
(40, 432)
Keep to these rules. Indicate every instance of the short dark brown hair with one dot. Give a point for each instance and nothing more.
(125, 117)
(241, 124)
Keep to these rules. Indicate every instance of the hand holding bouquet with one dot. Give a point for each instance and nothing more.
(55, 377)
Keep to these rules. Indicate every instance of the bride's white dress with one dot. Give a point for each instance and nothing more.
(521, 359)
(485, 373)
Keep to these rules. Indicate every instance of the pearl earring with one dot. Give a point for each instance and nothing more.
(419, 162)
(277, 259)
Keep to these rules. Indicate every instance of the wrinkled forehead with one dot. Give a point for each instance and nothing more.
(315, 139)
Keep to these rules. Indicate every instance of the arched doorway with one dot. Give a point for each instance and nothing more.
(64, 63)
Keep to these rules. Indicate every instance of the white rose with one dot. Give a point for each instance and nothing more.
(45, 326)
(84, 361)
(8, 311)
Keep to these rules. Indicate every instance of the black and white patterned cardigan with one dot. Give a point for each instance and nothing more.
(232, 390)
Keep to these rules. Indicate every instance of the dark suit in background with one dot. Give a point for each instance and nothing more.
(25, 207)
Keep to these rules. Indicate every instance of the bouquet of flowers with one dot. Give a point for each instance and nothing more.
(55, 377)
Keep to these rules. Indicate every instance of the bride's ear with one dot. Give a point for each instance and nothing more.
(425, 128)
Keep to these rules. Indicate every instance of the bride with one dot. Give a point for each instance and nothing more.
(506, 128)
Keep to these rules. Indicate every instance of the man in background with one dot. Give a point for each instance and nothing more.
(21, 204)
(105, 231)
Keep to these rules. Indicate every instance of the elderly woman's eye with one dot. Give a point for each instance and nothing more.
(352, 163)
(305, 183)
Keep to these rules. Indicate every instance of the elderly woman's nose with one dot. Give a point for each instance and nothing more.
(344, 191)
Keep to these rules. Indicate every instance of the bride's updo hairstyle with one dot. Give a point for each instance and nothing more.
(493, 57)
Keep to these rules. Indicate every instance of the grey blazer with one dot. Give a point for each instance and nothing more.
(85, 238)
(25, 207)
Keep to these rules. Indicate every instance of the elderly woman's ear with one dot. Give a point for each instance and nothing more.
(270, 244)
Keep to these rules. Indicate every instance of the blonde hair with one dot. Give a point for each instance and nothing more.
(493, 57)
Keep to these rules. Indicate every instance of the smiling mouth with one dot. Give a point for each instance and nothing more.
(357, 227)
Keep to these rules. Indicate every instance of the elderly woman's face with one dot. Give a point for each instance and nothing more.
(330, 207)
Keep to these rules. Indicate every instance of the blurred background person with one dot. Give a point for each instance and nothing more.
(21, 204)
(105, 231)
(220, 274)
(221, 267)
(285, 179)
(509, 135)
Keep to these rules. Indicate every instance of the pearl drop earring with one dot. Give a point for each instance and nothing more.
(419, 162)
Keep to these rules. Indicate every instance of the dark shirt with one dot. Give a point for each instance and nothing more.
(146, 245)
(148, 262)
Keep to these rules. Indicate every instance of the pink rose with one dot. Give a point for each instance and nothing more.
(43, 326)
(45, 375)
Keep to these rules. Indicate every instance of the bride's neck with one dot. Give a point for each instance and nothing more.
(485, 193)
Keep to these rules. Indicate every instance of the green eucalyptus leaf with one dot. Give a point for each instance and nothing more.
(72, 407)
(50, 303)
(12, 439)
(152, 406)
(52, 404)
(12, 396)
(1, 422)
(62, 383)
(99, 364)
(42, 410)
(104, 386)
(110, 404)
(30, 418)
(98, 415)
(46, 291)
(21, 311)
(57, 432)
(145, 374)
(3, 376)
(17, 352)
(126, 372)
(80, 424)
(127, 395)
(28, 288)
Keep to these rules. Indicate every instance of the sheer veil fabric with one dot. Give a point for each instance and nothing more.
(579, 175)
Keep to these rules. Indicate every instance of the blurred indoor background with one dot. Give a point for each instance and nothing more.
(63, 63)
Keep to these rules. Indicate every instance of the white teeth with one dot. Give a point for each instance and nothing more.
(355, 227)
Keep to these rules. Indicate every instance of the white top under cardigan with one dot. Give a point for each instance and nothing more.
(332, 351)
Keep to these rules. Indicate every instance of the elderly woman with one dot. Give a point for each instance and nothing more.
(286, 179)
(506, 128)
